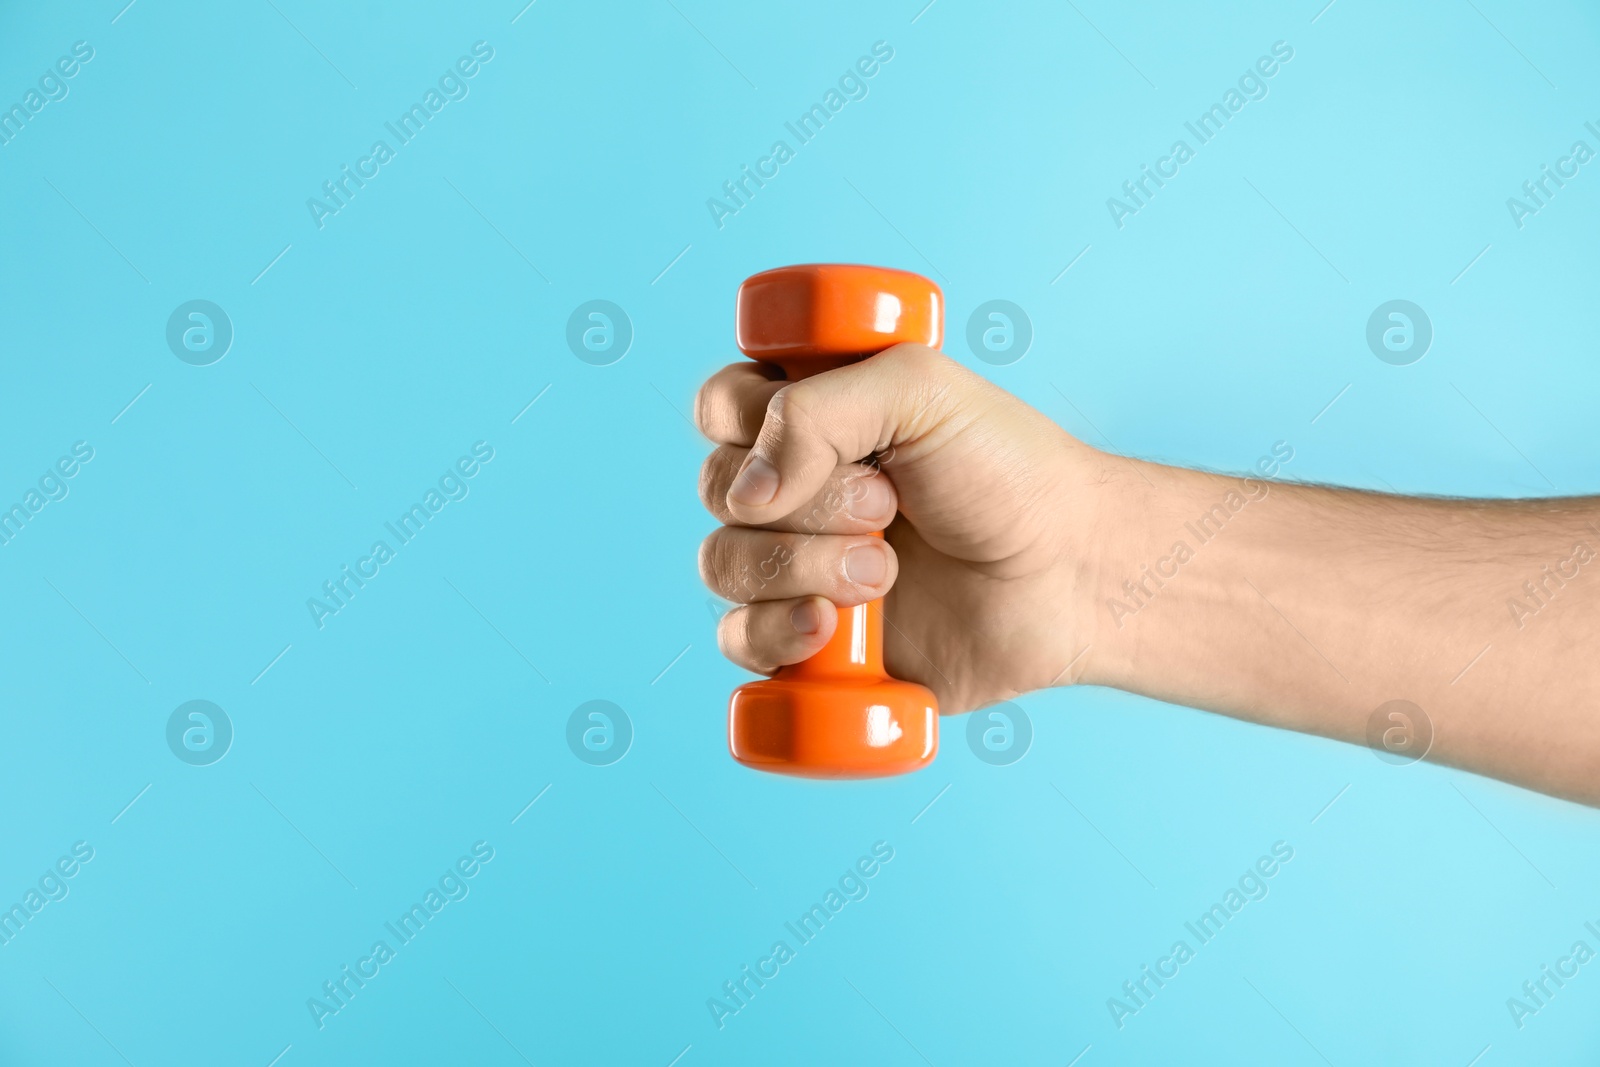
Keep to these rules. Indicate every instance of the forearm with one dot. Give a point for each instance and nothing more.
(1308, 608)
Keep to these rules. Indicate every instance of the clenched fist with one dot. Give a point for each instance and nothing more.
(985, 506)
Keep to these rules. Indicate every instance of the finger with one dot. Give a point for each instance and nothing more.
(841, 416)
(856, 498)
(747, 566)
(730, 405)
(764, 637)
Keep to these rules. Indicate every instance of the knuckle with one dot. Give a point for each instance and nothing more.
(708, 483)
(931, 384)
(772, 418)
(703, 406)
(733, 634)
(791, 406)
(716, 474)
(919, 359)
(943, 374)
(717, 556)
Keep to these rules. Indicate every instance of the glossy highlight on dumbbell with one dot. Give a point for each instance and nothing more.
(838, 714)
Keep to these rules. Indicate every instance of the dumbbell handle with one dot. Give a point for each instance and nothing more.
(838, 714)
(855, 650)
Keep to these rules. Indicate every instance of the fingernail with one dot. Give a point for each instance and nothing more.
(866, 564)
(806, 617)
(870, 500)
(756, 485)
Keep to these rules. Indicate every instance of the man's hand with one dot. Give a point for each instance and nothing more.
(1022, 558)
(983, 569)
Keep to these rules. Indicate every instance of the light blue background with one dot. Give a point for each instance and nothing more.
(1215, 323)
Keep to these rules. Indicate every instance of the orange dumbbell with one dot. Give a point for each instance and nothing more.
(838, 714)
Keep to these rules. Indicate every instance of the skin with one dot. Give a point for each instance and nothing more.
(1007, 543)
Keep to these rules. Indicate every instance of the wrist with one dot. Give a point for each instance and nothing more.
(1158, 578)
(1113, 510)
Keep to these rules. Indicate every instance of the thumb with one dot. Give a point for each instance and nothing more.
(901, 398)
